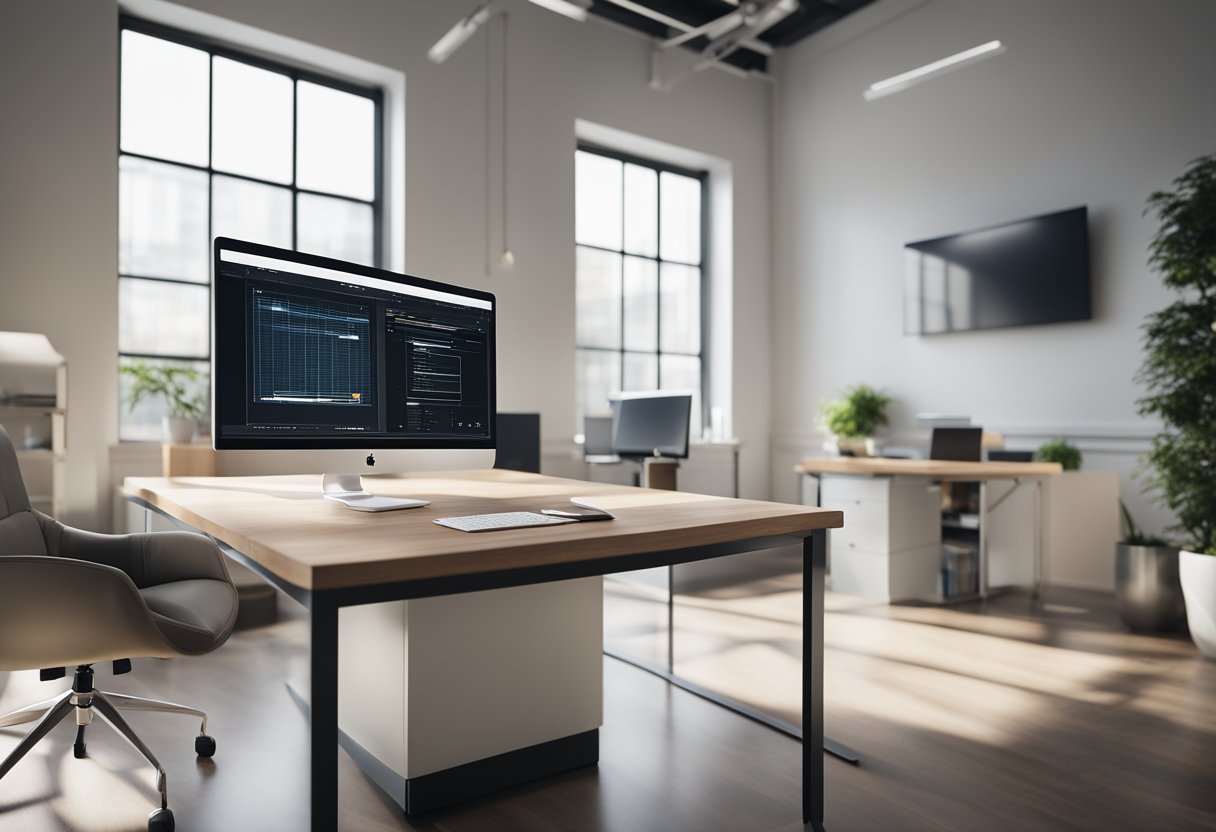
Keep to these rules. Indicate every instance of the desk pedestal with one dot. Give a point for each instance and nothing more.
(446, 699)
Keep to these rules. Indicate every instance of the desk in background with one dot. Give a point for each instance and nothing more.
(891, 548)
(329, 558)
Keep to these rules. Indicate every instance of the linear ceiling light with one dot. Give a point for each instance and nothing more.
(458, 34)
(896, 83)
(573, 9)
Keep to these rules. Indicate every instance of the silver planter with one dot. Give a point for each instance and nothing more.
(1148, 594)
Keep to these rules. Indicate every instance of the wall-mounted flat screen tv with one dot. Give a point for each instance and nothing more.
(1033, 271)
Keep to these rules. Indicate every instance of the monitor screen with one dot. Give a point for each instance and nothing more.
(317, 353)
(651, 425)
(1033, 271)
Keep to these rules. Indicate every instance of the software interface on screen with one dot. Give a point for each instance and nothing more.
(315, 352)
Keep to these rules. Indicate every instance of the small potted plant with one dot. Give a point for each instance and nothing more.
(173, 384)
(1148, 593)
(853, 418)
(1058, 450)
(1179, 373)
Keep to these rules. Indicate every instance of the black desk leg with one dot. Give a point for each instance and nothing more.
(323, 715)
(814, 564)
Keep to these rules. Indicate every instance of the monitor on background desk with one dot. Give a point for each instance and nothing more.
(651, 425)
(313, 353)
(958, 444)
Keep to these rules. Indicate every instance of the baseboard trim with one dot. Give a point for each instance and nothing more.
(514, 768)
(476, 779)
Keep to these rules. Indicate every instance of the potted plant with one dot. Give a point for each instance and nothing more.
(1179, 373)
(1058, 450)
(173, 384)
(853, 418)
(1148, 593)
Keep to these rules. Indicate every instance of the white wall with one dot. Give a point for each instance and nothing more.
(1096, 102)
(58, 203)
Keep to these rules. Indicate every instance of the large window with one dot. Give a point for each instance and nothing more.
(639, 295)
(215, 143)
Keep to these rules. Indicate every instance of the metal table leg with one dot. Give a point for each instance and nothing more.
(323, 714)
(814, 550)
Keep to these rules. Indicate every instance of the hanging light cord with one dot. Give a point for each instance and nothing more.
(505, 239)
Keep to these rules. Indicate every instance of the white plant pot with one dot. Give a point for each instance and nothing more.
(1198, 574)
(179, 430)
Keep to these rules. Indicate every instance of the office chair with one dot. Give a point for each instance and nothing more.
(71, 598)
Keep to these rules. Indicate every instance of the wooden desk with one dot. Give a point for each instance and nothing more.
(327, 556)
(942, 470)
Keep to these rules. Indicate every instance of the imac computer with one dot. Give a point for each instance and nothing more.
(312, 353)
(651, 425)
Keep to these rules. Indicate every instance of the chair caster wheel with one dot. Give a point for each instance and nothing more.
(204, 746)
(160, 821)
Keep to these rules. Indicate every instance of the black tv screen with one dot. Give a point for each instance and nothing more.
(1033, 271)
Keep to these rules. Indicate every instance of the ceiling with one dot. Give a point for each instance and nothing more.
(809, 17)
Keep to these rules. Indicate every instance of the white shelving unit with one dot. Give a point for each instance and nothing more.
(33, 409)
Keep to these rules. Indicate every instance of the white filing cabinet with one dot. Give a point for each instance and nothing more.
(890, 546)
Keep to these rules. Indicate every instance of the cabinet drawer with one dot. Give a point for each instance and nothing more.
(858, 537)
(861, 512)
(866, 489)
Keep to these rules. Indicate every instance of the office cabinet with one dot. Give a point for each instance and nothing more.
(890, 546)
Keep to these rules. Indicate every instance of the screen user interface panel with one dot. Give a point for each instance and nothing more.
(312, 352)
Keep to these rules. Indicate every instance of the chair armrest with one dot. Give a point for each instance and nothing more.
(180, 556)
(61, 612)
(149, 558)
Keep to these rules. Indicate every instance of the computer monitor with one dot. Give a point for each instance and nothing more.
(316, 353)
(651, 424)
(959, 444)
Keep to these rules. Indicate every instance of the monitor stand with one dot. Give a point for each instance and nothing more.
(348, 489)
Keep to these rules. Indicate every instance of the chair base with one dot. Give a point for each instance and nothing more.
(83, 700)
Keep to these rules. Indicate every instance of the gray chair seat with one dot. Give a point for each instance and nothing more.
(194, 615)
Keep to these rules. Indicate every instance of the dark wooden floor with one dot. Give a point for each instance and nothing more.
(1009, 717)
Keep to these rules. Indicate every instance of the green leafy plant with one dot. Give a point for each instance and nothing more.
(857, 414)
(1059, 450)
(173, 383)
(1133, 535)
(1179, 370)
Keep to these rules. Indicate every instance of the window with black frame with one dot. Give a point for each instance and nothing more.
(639, 235)
(215, 142)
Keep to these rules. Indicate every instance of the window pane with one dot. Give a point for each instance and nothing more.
(251, 211)
(681, 221)
(143, 421)
(598, 376)
(251, 131)
(598, 299)
(641, 211)
(641, 371)
(162, 220)
(680, 308)
(159, 318)
(683, 372)
(641, 304)
(336, 141)
(165, 91)
(336, 228)
(597, 189)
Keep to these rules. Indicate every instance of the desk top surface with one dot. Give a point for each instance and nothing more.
(939, 469)
(285, 525)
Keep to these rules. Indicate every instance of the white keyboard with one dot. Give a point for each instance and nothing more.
(502, 520)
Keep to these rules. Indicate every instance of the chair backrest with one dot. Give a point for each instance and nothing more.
(20, 533)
